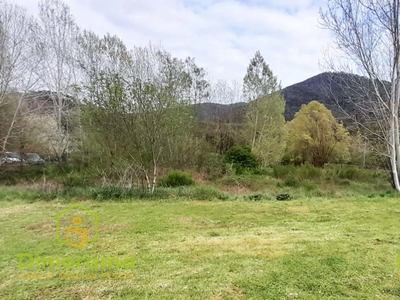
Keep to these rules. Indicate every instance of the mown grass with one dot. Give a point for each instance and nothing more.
(306, 249)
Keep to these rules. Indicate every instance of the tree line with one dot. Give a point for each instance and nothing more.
(130, 114)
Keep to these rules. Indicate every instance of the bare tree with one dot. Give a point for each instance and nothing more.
(57, 36)
(223, 118)
(367, 37)
(135, 105)
(198, 86)
(18, 62)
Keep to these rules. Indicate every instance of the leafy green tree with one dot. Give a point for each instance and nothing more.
(314, 136)
(264, 126)
(259, 80)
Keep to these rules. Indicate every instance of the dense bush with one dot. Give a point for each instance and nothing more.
(176, 178)
(242, 159)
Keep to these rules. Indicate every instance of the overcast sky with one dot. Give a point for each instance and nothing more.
(222, 35)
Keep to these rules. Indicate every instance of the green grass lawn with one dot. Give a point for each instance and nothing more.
(301, 249)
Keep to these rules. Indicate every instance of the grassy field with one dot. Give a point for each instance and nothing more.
(300, 249)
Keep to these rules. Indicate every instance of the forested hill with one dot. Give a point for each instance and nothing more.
(327, 88)
(330, 89)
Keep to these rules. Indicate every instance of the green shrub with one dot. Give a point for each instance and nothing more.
(176, 178)
(242, 159)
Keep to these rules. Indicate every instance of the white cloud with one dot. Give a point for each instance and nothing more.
(222, 35)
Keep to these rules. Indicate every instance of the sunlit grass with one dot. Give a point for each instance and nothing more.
(304, 249)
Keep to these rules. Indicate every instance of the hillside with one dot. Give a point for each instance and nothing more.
(337, 91)
(330, 89)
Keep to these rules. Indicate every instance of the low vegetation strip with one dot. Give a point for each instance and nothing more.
(306, 249)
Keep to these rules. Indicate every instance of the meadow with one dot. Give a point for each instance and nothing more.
(306, 248)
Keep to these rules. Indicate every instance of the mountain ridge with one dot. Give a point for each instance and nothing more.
(337, 91)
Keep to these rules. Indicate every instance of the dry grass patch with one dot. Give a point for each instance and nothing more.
(231, 292)
(253, 245)
(113, 227)
(7, 212)
(299, 210)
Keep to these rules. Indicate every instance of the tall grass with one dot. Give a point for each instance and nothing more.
(111, 193)
(331, 173)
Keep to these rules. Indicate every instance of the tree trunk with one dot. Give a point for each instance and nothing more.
(255, 127)
(393, 146)
(153, 187)
(147, 181)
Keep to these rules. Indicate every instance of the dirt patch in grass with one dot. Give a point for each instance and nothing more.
(185, 220)
(200, 223)
(232, 292)
(41, 226)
